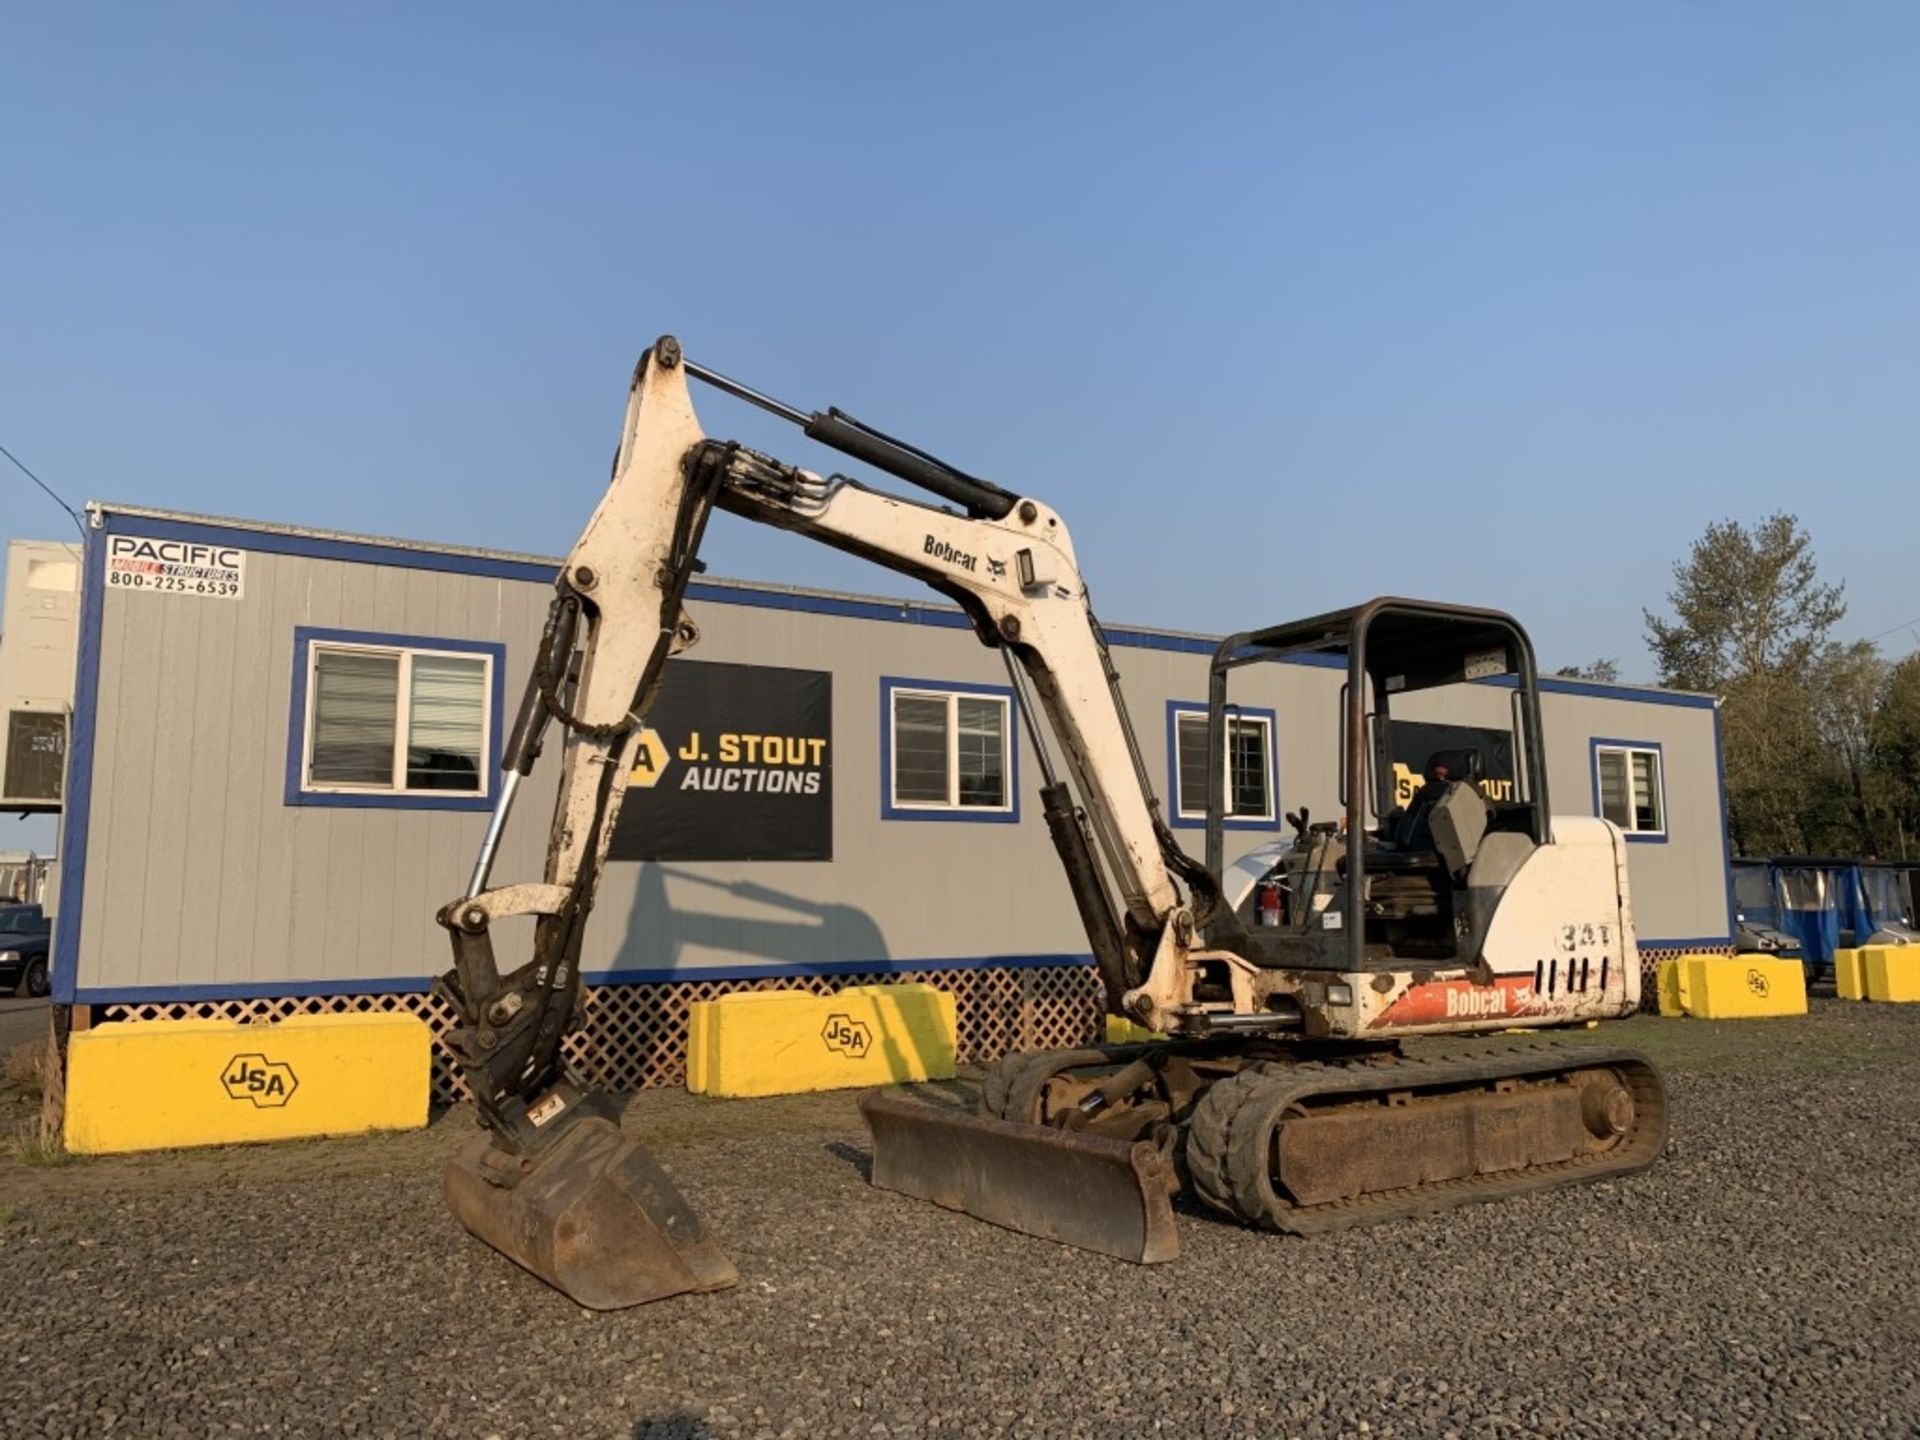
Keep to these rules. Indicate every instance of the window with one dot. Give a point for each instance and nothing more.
(1248, 779)
(36, 751)
(393, 720)
(57, 575)
(1629, 789)
(948, 754)
(21, 920)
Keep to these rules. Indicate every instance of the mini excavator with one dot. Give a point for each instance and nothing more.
(1281, 987)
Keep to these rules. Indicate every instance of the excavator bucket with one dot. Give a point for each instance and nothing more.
(1090, 1191)
(592, 1214)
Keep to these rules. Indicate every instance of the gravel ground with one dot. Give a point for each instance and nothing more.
(1761, 1280)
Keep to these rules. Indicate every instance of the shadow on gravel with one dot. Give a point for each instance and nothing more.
(952, 1094)
(861, 1160)
(672, 1427)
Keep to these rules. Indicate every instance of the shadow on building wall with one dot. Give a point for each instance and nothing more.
(747, 922)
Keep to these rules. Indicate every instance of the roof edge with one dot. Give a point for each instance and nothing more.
(96, 508)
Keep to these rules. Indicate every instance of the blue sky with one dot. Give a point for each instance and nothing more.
(1282, 306)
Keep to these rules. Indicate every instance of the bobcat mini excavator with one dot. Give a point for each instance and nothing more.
(1284, 983)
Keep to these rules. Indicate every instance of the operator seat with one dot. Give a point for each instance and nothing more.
(1414, 829)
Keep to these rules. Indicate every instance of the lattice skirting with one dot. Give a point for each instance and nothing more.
(635, 1036)
(1650, 960)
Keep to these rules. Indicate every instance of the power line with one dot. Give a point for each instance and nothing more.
(1903, 625)
(72, 513)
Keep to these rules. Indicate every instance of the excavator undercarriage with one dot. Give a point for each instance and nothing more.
(1294, 1139)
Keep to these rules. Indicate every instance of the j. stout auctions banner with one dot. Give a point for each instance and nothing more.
(1415, 741)
(736, 764)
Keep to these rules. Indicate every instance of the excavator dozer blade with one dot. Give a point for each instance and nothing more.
(1090, 1191)
(593, 1215)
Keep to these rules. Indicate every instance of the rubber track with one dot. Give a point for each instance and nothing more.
(1012, 1083)
(1210, 1135)
(1229, 1142)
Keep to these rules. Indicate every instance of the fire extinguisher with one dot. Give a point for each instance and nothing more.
(1267, 900)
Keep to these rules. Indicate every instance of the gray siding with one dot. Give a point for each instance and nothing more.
(1679, 884)
(198, 873)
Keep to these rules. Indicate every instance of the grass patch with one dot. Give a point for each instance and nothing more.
(32, 1143)
(26, 1066)
(1800, 1044)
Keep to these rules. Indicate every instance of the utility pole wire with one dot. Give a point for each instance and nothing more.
(72, 513)
(1903, 625)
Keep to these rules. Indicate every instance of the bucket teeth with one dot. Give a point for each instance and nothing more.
(592, 1214)
(1111, 1196)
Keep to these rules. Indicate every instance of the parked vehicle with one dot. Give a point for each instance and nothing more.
(25, 936)
(1758, 930)
(1810, 906)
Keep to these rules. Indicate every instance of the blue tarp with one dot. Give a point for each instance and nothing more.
(1807, 911)
(1816, 904)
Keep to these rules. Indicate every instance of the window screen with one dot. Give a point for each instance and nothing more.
(356, 700)
(1249, 766)
(1631, 793)
(446, 722)
(399, 721)
(36, 754)
(919, 750)
(950, 751)
(983, 750)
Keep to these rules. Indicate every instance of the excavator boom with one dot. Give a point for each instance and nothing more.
(554, 1184)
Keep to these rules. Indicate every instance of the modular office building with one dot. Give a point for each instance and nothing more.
(285, 744)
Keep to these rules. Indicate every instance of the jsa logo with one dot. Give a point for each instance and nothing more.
(269, 1084)
(847, 1036)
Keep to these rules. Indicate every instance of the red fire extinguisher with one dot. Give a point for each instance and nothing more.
(1267, 898)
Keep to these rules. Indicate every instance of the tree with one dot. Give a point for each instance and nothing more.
(1847, 683)
(1592, 670)
(1752, 623)
(1894, 737)
(1747, 603)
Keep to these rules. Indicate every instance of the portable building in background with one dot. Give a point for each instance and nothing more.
(285, 748)
(26, 877)
(39, 629)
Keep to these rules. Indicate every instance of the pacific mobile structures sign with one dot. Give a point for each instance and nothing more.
(175, 567)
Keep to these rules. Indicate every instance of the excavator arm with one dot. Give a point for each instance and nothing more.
(553, 1173)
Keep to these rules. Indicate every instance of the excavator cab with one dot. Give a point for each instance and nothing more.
(1436, 844)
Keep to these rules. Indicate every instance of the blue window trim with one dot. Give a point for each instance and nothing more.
(964, 814)
(1177, 708)
(304, 638)
(1726, 836)
(1638, 837)
(77, 793)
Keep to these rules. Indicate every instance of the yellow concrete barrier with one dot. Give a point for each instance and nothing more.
(1850, 974)
(1666, 985)
(781, 1042)
(1892, 973)
(1744, 987)
(160, 1084)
